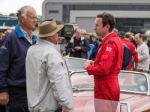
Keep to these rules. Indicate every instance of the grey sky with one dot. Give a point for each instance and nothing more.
(11, 6)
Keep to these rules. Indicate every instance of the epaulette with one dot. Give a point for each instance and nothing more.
(110, 42)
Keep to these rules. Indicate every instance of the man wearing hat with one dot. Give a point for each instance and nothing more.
(48, 84)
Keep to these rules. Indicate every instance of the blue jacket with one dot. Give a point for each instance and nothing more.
(12, 60)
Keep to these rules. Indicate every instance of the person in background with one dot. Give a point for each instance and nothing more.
(107, 65)
(9, 30)
(126, 39)
(12, 58)
(48, 84)
(78, 45)
(94, 43)
(1, 35)
(143, 52)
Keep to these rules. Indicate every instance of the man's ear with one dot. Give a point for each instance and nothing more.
(107, 27)
(22, 19)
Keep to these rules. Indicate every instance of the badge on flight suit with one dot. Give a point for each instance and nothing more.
(109, 49)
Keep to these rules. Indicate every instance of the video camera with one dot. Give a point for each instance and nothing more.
(68, 31)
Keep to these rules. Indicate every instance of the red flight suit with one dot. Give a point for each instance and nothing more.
(106, 68)
(133, 51)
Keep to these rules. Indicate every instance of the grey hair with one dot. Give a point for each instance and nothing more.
(23, 10)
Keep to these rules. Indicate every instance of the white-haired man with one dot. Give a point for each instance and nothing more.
(12, 58)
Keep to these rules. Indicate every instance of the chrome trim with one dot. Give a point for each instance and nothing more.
(124, 103)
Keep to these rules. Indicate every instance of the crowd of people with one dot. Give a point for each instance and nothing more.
(83, 45)
(34, 76)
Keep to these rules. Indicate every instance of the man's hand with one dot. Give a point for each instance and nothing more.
(64, 109)
(4, 98)
(88, 63)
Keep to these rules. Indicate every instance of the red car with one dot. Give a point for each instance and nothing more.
(134, 86)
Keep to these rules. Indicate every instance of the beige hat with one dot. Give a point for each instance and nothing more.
(48, 28)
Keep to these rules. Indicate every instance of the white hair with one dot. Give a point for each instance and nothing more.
(23, 11)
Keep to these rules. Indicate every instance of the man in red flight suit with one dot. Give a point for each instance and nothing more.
(107, 65)
(134, 59)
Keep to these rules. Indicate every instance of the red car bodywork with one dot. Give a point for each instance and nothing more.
(137, 103)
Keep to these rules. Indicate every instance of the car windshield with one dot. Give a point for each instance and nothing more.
(75, 64)
(129, 82)
(133, 81)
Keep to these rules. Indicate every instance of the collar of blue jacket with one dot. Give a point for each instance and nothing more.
(19, 31)
(21, 34)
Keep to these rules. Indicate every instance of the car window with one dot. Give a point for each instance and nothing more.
(133, 81)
